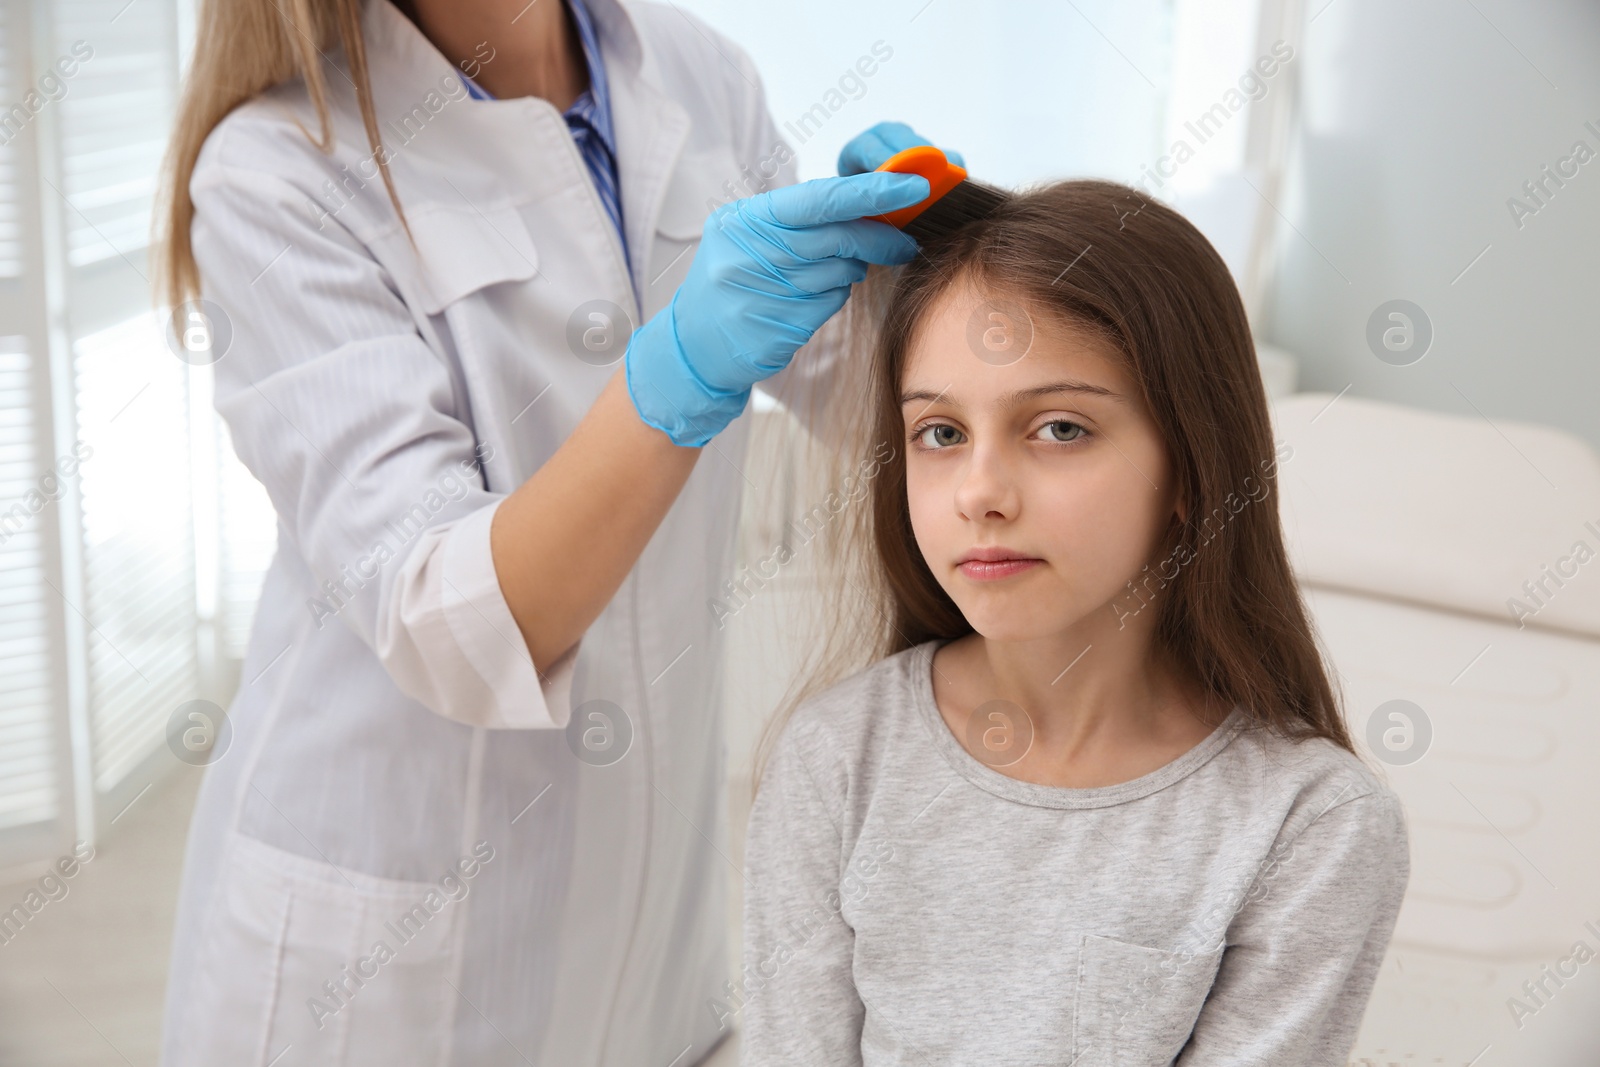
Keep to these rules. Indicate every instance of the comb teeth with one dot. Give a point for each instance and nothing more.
(968, 202)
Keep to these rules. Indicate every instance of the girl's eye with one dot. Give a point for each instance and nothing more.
(1068, 431)
(934, 428)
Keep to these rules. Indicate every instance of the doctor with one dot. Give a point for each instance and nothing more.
(472, 805)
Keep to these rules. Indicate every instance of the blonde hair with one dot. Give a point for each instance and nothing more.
(243, 48)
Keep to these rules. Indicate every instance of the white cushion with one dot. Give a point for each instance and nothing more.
(1444, 510)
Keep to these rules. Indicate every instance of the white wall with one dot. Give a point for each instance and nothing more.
(1022, 90)
(1418, 122)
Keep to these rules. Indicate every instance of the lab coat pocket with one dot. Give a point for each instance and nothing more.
(463, 248)
(1137, 1005)
(700, 183)
(341, 967)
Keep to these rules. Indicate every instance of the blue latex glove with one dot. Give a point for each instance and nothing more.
(770, 270)
(867, 151)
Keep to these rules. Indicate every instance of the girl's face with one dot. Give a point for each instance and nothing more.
(1051, 457)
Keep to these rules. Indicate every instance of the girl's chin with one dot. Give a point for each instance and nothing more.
(995, 626)
(994, 619)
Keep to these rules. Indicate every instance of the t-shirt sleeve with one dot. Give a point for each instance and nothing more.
(1303, 951)
(801, 1008)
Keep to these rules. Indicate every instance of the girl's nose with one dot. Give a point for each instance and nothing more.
(988, 486)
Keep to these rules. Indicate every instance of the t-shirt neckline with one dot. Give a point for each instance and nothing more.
(1054, 796)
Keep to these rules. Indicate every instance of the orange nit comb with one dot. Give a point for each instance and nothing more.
(928, 161)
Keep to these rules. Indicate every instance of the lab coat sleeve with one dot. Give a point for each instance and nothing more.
(351, 422)
(801, 1007)
(1303, 952)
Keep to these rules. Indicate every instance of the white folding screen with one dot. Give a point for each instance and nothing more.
(132, 541)
(30, 748)
(36, 804)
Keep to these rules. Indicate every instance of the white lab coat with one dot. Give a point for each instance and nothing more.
(396, 733)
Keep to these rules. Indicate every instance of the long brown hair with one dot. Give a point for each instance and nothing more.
(241, 49)
(1101, 256)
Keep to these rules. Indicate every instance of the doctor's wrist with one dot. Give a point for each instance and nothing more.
(666, 391)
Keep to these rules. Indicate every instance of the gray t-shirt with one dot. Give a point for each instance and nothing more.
(907, 904)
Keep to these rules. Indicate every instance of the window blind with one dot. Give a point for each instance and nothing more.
(35, 762)
(11, 36)
(138, 541)
(29, 785)
(131, 392)
(115, 115)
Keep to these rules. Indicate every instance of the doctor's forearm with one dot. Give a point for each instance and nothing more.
(566, 538)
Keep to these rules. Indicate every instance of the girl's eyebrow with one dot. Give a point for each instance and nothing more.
(1009, 399)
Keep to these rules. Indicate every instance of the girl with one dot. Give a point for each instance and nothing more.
(1095, 803)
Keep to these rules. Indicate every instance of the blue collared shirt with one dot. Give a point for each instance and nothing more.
(589, 120)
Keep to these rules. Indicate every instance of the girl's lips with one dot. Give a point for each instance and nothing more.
(979, 571)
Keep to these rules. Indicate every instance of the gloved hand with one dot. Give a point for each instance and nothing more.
(867, 151)
(770, 270)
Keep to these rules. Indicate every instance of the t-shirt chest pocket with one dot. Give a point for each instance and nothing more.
(1135, 1005)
